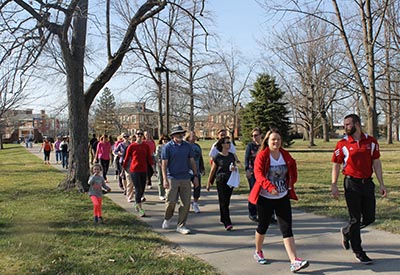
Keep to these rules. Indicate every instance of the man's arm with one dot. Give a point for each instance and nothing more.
(377, 165)
(164, 165)
(335, 175)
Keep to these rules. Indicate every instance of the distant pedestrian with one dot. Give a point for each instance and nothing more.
(148, 139)
(221, 133)
(103, 154)
(276, 173)
(252, 149)
(161, 142)
(359, 154)
(64, 148)
(119, 153)
(57, 149)
(47, 147)
(198, 158)
(140, 156)
(96, 186)
(178, 166)
(92, 148)
(222, 166)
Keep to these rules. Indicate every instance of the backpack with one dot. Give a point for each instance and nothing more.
(47, 146)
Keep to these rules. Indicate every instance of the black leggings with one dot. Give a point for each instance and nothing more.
(283, 211)
(105, 164)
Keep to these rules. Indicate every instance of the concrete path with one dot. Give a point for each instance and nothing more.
(317, 238)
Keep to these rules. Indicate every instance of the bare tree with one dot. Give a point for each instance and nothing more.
(365, 27)
(12, 95)
(227, 86)
(37, 24)
(311, 57)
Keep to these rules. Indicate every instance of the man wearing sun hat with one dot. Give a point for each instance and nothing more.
(178, 164)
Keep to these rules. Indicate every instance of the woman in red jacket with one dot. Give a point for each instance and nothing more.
(276, 172)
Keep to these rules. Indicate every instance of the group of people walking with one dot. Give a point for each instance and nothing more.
(60, 147)
(271, 172)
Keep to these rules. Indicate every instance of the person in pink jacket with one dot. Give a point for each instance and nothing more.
(103, 154)
(276, 173)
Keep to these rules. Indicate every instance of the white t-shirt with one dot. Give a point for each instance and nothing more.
(277, 176)
(214, 151)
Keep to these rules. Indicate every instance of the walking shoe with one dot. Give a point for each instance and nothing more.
(229, 227)
(183, 230)
(363, 258)
(96, 219)
(141, 212)
(162, 198)
(298, 264)
(143, 199)
(196, 207)
(345, 240)
(253, 218)
(259, 257)
(165, 224)
(137, 208)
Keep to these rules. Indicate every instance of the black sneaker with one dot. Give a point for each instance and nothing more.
(363, 258)
(253, 218)
(345, 241)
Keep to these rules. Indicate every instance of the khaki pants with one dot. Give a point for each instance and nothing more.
(183, 189)
(130, 194)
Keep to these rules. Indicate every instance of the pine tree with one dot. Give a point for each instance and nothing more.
(266, 110)
(105, 114)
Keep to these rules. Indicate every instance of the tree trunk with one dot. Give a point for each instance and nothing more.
(325, 126)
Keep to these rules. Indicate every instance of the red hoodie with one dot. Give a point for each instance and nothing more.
(261, 166)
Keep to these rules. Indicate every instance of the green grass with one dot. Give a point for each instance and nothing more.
(47, 231)
(314, 181)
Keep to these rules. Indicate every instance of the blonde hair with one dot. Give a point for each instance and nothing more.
(264, 143)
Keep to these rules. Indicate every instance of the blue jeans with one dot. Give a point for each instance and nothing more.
(64, 160)
(58, 155)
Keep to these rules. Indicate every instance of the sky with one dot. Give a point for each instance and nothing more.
(237, 22)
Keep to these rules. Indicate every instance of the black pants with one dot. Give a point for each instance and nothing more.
(150, 173)
(105, 164)
(139, 181)
(283, 211)
(361, 204)
(252, 207)
(224, 199)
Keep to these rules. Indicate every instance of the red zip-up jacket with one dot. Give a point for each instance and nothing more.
(261, 166)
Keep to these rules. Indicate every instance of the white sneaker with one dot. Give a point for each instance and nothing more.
(162, 198)
(165, 224)
(196, 207)
(183, 230)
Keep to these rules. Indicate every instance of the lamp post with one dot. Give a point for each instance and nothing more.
(165, 70)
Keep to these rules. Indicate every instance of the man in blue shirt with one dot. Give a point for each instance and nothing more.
(178, 164)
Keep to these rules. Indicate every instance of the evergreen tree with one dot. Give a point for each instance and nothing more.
(105, 114)
(266, 110)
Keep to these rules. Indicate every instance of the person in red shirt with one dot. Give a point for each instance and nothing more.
(359, 154)
(140, 157)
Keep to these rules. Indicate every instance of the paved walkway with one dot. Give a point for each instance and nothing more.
(317, 238)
